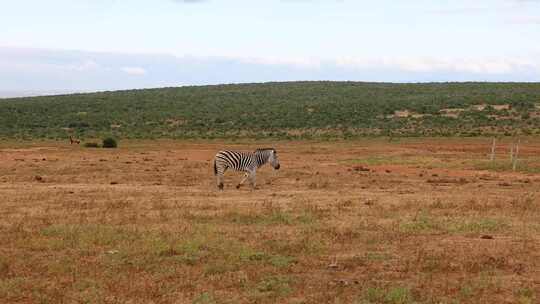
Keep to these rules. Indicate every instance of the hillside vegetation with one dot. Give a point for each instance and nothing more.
(281, 110)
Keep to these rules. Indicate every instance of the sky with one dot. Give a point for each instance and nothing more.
(60, 46)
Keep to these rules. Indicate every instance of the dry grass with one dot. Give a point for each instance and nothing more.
(420, 223)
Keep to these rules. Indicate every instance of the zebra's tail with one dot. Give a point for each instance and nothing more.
(215, 167)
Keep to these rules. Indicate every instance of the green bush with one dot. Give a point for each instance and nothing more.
(299, 110)
(91, 145)
(109, 142)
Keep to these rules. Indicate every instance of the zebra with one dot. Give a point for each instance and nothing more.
(247, 162)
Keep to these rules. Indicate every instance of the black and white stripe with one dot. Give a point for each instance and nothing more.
(247, 162)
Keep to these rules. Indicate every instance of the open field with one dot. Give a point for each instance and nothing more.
(369, 221)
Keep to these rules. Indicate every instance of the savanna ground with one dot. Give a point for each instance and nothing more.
(372, 221)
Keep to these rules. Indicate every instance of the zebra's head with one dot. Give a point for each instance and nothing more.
(273, 159)
(271, 155)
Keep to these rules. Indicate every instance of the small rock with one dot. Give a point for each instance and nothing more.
(487, 237)
(38, 178)
(114, 183)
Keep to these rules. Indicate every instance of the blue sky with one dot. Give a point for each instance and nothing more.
(88, 45)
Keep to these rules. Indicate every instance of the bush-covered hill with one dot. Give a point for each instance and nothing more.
(289, 109)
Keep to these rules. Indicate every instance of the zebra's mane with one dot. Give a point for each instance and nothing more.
(264, 149)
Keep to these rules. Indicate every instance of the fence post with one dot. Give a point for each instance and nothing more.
(512, 152)
(493, 149)
(516, 154)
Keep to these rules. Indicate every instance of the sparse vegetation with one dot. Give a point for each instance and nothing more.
(417, 223)
(91, 145)
(287, 110)
(274, 286)
(109, 142)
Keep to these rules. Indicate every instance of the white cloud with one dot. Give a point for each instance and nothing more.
(460, 10)
(525, 19)
(300, 62)
(462, 65)
(189, 1)
(86, 65)
(137, 71)
(38, 70)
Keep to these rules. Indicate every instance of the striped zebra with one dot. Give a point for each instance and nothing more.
(247, 162)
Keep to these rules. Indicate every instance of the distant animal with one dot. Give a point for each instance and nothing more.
(74, 141)
(247, 162)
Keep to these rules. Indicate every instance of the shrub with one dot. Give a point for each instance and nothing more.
(91, 145)
(109, 142)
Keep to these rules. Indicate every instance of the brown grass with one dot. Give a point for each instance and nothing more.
(145, 224)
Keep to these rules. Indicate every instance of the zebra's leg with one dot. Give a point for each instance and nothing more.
(246, 175)
(219, 177)
(219, 171)
(252, 179)
(220, 181)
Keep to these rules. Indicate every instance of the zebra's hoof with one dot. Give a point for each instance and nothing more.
(220, 186)
(238, 186)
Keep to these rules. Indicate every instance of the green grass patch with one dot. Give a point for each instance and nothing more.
(377, 256)
(305, 244)
(146, 249)
(87, 236)
(11, 288)
(281, 261)
(205, 298)
(408, 160)
(274, 216)
(531, 165)
(526, 295)
(422, 223)
(481, 225)
(425, 223)
(274, 286)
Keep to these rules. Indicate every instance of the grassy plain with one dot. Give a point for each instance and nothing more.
(368, 221)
